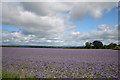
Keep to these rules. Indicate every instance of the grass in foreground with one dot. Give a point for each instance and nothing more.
(13, 76)
(9, 75)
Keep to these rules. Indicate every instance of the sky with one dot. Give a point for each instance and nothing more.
(59, 23)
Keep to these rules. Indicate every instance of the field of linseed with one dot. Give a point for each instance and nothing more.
(61, 63)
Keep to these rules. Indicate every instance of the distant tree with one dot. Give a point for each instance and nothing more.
(112, 45)
(118, 44)
(105, 46)
(117, 47)
(97, 44)
(88, 45)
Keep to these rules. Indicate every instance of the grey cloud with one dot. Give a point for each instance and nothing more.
(107, 35)
(45, 8)
(92, 9)
(36, 7)
(18, 38)
(45, 18)
(47, 22)
(31, 23)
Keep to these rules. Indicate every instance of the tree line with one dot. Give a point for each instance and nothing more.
(99, 45)
(88, 45)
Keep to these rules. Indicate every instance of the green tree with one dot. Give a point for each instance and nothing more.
(105, 46)
(97, 44)
(88, 45)
(112, 45)
(117, 47)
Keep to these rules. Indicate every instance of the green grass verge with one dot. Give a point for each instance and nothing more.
(14, 76)
(9, 75)
(117, 48)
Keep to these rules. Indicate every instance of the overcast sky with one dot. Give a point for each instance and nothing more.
(59, 23)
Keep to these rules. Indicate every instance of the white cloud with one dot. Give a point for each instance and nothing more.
(105, 33)
(45, 8)
(77, 10)
(18, 38)
(46, 23)
(60, 1)
(31, 23)
(92, 9)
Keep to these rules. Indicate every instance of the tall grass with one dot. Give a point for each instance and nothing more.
(20, 74)
(15, 76)
(9, 75)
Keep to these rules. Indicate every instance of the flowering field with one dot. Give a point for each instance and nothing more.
(61, 63)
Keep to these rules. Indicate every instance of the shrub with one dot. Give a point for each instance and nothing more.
(117, 48)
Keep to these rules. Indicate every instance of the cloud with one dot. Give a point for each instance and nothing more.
(45, 8)
(30, 23)
(77, 10)
(46, 17)
(105, 33)
(18, 38)
(60, 1)
(90, 9)
(46, 23)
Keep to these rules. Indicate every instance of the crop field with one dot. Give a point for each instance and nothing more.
(61, 63)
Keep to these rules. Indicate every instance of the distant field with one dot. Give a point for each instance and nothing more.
(62, 63)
